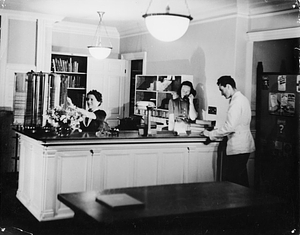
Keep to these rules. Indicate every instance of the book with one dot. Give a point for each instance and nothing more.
(203, 122)
(120, 200)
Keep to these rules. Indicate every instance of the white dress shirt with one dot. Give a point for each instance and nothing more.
(236, 126)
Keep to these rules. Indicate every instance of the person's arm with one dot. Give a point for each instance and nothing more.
(83, 112)
(192, 110)
(86, 113)
(171, 122)
(229, 127)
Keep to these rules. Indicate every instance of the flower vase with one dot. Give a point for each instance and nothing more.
(63, 131)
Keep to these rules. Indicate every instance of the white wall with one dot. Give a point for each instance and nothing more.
(277, 20)
(74, 38)
(211, 49)
(20, 51)
(207, 51)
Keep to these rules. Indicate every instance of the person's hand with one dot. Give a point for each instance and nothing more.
(191, 98)
(206, 133)
(174, 95)
(70, 103)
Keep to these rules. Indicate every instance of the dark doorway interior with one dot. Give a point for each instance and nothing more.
(136, 69)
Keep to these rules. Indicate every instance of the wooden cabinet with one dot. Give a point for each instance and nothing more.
(157, 89)
(74, 69)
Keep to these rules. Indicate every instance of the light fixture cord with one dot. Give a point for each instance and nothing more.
(186, 4)
(98, 31)
(106, 32)
(149, 6)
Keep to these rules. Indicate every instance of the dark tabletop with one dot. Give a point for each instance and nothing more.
(204, 199)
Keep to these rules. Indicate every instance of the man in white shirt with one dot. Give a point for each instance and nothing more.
(237, 129)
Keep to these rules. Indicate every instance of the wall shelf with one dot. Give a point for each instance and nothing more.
(75, 69)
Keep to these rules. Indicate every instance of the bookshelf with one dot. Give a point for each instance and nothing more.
(74, 69)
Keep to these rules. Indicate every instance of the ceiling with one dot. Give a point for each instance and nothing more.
(126, 15)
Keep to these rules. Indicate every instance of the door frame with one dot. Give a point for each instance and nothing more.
(136, 56)
(129, 57)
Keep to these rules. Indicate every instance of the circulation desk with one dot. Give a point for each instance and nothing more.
(51, 165)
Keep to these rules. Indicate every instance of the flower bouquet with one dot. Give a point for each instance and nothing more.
(65, 120)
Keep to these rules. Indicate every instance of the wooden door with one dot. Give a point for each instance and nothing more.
(109, 78)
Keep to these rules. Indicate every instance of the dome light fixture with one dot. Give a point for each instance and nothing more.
(98, 51)
(167, 27)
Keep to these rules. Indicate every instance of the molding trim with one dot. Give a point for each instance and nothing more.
(136, 56)
(86, 29)
(282, 8)
(274, 34)
(270, 14)
(3, 58)
(23, 15)
(142, 30)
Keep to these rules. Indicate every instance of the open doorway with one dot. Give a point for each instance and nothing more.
(136, 69)
(137, 66)
(280, 55)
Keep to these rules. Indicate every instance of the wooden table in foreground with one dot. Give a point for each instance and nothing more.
(205, 200)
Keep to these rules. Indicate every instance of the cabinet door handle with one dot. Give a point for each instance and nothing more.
(92, 151)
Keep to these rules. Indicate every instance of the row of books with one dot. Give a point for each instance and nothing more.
(75, 82)
(72, 81)
(61, 65)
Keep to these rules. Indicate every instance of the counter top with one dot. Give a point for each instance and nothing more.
(97, 138)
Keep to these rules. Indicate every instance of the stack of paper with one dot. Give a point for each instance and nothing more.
(196, 127)
(120, 200)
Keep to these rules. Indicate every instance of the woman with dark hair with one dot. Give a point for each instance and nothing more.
(93, 117)
(183, 107)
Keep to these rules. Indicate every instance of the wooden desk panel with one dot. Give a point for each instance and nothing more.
(178, 200)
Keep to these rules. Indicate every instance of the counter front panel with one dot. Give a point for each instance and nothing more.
(79, 163)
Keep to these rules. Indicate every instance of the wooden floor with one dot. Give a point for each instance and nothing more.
(14, 214)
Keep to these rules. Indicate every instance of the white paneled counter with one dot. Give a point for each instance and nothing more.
(53, 165)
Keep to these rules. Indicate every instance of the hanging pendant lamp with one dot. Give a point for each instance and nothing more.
(99, 51)
(167, 26)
